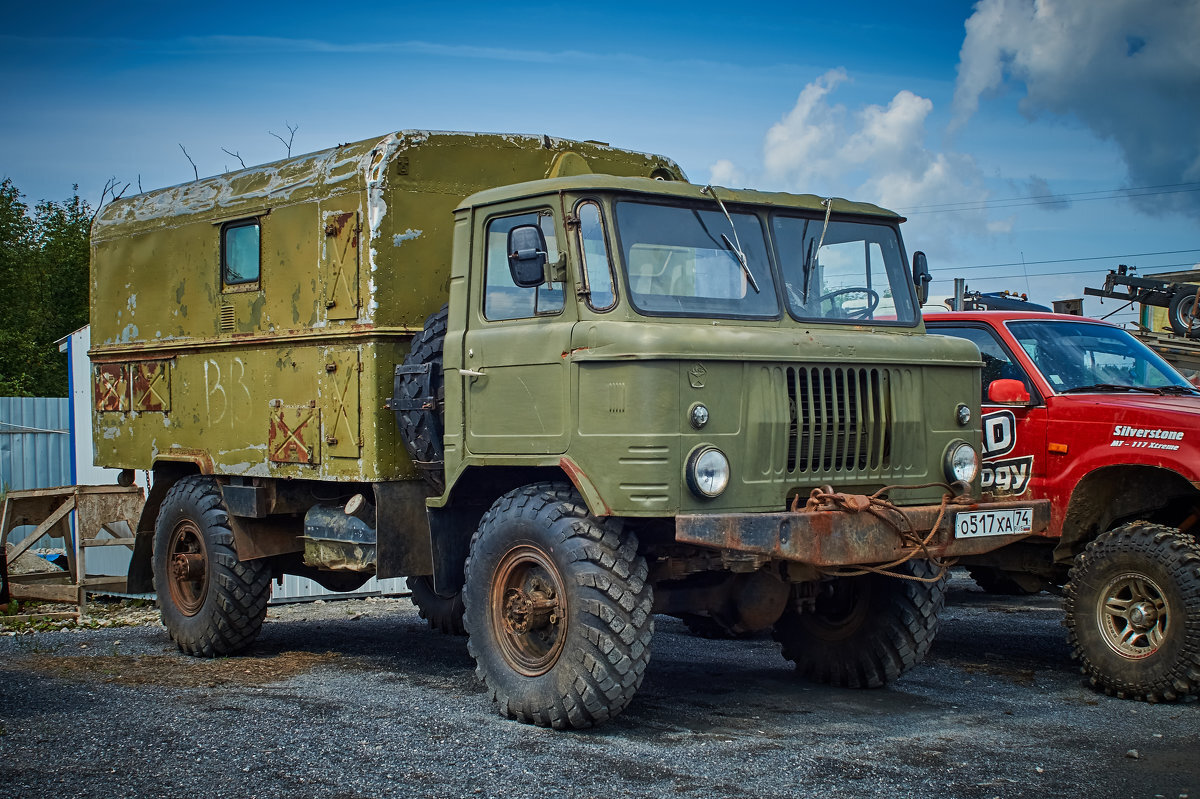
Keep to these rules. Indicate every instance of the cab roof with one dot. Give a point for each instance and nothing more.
(673, 189)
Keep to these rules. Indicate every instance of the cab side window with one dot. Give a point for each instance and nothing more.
(240, 253)
(601, 292)
(997, 363)
(502, 299)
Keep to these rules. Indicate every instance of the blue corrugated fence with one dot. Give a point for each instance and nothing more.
(35, 442)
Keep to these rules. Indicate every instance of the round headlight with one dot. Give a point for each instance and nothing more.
(698, 415)
(707, 472)
(961, 462)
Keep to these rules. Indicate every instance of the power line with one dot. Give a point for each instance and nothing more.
(1052, 199)
(1074, 260)
(1048, 274)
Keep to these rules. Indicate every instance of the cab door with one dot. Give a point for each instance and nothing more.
(1014, 436)
(515, 374)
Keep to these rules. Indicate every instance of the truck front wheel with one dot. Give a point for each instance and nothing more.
(557, 609)
(211, 603)
(1133, 612)
(864, 632)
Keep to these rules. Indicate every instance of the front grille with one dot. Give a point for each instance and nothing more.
(841, 419)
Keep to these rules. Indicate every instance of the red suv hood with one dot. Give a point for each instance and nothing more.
(1134, 408)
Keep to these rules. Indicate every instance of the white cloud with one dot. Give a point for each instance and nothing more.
(875, 154)
(1127, 69)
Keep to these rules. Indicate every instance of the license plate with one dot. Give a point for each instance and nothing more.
(977, 523)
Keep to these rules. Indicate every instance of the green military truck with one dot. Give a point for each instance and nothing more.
(554, 384)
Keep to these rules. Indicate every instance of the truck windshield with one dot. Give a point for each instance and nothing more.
(678, 264)
(1084, 357)
(854, 271)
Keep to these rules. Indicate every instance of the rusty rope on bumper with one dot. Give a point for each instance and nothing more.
(826, 499)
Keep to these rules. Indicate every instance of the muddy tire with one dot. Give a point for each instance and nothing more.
(997, 581)
(420, 400)
(557, 609)
(864, 631)
(444, 614)
(211, 603)
(1133, 612)
(1179, 314)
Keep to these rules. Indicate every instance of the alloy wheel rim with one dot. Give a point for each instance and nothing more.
(1133, 615)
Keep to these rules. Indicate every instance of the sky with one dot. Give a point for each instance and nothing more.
(1032, 144)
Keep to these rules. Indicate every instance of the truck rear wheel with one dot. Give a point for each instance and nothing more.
(864, 631)
(444, 613)
(211, 603)
(557, 609)
(1133, 612)
(420, 400)
(1179, 314)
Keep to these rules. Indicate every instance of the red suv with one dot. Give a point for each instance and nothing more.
(1080, 412)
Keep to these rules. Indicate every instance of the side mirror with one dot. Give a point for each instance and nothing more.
(1007, 391)
(527, 256)
(921, 276)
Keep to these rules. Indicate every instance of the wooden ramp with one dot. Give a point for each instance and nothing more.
(104, 516)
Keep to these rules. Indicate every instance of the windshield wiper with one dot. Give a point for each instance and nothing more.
(809, 260)
(1177, 390)
(734, 246)
(1110, 387)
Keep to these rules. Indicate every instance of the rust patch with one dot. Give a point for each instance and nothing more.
(111, 387)
(151, 385)
(293, 436)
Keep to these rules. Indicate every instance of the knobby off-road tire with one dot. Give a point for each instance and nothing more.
(421, 429)
(557, 609)
(1179, 314)
(865, 631)
(996, 581)
(211, 603)
(1133, 612)
(444, 614)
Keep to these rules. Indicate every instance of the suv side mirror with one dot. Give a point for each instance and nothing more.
(1007, 391)
(527, 256)
(921, 276)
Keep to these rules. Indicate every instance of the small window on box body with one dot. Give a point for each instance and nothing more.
(240, 253)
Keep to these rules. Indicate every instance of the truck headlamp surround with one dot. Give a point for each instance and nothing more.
(707, 471)
(962, 415)
(961, 462)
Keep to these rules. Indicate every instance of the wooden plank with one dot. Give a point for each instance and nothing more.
(104, 581)
(43, 528)
(108, 542)
(27, 493)
(52, 593)
(39, 577)
(39, 616)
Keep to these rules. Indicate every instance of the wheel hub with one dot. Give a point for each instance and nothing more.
(188, 567)
(525, 611)
(1143, 616)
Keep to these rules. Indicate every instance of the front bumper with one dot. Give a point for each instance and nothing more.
(843, 538)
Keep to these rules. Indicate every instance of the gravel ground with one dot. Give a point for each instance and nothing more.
(356, 699)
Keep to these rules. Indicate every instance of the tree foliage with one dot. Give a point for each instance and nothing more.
(43, 289)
